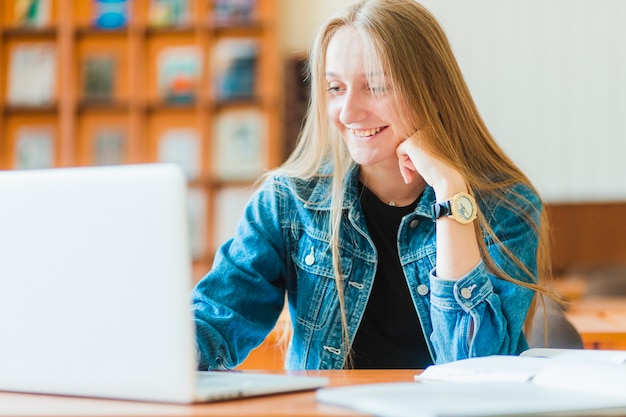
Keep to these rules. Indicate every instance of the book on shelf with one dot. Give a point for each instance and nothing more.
(235, 68)
(179, 69)
(230, 203)
(168, 13)
(110, 14)
(182, 147)
(197, 221)
(239, 144)
(99, 77)
(32, 74)
(108, 147)
(233, 12)
(538, 382)
(34, 148)
(32, 13)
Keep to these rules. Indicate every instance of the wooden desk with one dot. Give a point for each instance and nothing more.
(599, 305)
(601, 322)
(295, 404)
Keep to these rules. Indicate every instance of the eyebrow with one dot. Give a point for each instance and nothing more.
(377, 74)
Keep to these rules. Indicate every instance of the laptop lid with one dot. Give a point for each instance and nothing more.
(95, 276)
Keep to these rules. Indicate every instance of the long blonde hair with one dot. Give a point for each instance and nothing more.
(402, 38)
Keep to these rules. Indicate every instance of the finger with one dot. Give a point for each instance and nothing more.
(407, 168)
(407, 174)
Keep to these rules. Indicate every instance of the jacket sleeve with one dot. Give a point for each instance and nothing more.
(481, 313)
(238, 302)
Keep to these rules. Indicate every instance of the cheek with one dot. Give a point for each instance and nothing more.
(333, 110)
(404, 122)
(394, 119)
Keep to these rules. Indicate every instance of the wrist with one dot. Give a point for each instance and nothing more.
(462, 208)
(448, 189)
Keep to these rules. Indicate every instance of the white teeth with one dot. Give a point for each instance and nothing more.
(365, 132)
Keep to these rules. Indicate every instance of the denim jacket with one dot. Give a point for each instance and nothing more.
(281, 247)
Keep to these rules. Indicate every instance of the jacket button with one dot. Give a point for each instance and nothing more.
(310, 258)
(422, 289)
(467, 291)
(413, 224)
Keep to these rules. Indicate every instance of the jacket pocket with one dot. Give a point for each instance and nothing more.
(316, 289)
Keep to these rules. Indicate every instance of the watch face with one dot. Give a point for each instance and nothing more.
(464, 208)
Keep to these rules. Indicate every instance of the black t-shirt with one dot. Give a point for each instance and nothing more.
(390, 334)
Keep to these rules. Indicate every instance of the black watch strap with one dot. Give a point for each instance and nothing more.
(438, 210)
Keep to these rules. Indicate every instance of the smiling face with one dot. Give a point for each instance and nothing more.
(360, 105)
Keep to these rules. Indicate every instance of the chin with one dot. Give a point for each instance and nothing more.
(364, 158)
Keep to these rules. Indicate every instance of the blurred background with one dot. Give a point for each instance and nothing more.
(549, 78)
(217, 86)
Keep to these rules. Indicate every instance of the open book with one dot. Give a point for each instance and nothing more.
(538, 382)
(531, 365)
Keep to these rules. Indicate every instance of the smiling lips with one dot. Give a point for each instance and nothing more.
(363, 133)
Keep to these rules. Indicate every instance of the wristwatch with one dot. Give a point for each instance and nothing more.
(461, 207)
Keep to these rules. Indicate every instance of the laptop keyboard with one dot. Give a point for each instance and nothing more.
(219, 379)
(219, 385)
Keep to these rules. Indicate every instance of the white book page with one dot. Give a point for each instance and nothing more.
(488, 368)
(617, 357)
(592, 378)
(594, 372)
(517, 368)
(468, 399)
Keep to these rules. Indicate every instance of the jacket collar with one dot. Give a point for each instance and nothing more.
(320, 197)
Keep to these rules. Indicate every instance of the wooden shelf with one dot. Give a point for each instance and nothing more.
(27, 32)
(132, 112)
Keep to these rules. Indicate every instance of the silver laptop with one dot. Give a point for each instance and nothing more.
(95, 281)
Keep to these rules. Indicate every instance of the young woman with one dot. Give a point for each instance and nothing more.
(399, 232)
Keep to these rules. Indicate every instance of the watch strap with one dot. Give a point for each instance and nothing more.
(438, 210)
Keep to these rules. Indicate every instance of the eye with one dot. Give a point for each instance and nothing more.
(378, 90)
(334, 89)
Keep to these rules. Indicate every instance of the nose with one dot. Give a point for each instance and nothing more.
(354, 108)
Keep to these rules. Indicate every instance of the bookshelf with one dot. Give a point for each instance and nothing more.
(133, 81)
